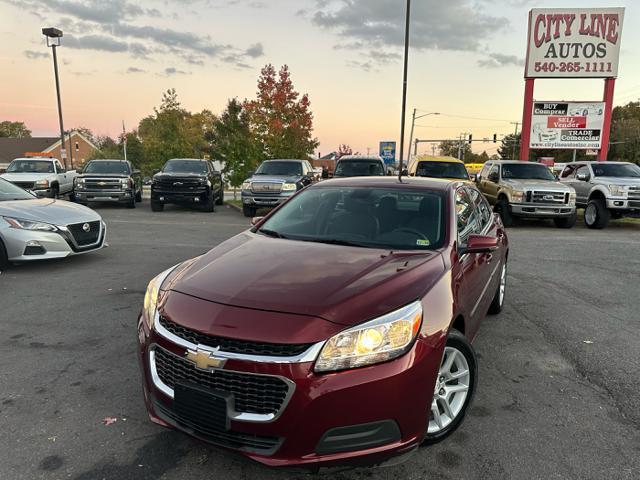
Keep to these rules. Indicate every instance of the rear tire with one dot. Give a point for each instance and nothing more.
(157, 206)
(565, 222)
(132, 202)
(139, 196)
(502, 208)
(457, 357)
(4, 259)
(596, 215)
(220, 199)
(248, 211)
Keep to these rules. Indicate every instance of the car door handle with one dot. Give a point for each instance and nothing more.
(486, 258)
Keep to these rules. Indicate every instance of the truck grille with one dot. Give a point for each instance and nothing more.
(82, 237)
(266, 187)
(102, 184)
(178, 184)
(235, 346)
(25, 185)
(259, 394)
(549, 197)
(634, 193)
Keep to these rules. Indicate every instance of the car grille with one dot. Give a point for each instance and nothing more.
(25, 185)
(182, 184)
(549, 197)
(266, 187)
(634, 193)
(261, 394)
(97, 184)
(83, 238)
(235, 346)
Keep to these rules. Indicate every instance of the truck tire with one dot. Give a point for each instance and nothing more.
(596, 215)
(4, 259)
(55, 191)
(565, 222)
(157, 206)
(210, 205)
(139, 196)
(132, 202)
(220, 199)
(248, 211)
(502, 209)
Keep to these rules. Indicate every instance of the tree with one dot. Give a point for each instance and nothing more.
(107, 148)
(452, 148)
(14, 130)
(233, 143)
(86, 133)
(509, 148)
(280, 118)
(625, 133)
(343, 149)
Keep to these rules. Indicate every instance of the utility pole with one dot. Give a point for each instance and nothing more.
(433, 149)
(413, 124)
(404, 84)
(515, 142)
(70, 148)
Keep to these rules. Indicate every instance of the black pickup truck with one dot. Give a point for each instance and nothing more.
(187, 181)
(108, 181)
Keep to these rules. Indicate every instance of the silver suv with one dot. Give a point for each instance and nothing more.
(604, 189)
(527, 189)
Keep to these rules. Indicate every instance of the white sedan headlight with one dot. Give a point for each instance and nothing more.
(378, 340)
(288, 187)
(30, 225)
(618, 190)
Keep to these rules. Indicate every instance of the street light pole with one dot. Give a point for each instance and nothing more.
(413, 124)
(404, 85)
(53, 40)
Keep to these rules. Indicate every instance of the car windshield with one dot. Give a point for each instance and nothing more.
(526, 171)
(30, 166)
(185, 166)
(442, 170)
(358, 168)
(616, 170)
(279, 168)
(104, 166)
(386, 218)
(8, 191)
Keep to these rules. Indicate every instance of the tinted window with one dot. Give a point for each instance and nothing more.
(568, 171)
(526, 171)
(367, 217)
(358, 168)
(485, 171)
(30, 166)
(105, 166)
(442, 170)
(584, 170)
(495, 169)
(616, 170)
(280, 168)
(185, 166)
(467, 218)
(482, 207)
(8, 191)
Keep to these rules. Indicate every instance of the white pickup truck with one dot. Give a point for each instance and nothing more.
(46, 177)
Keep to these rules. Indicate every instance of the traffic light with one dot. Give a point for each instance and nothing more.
(470, 139)
(495, 137)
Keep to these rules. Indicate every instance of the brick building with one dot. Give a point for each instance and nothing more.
(81, 148)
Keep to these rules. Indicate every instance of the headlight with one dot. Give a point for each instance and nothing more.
(517, 196)
(246, 185)
(125, 182)
(151, 295)
(572, 197)
(41, 184)
(288, 187)
(30, 225)
(376, 341)
(618, 190)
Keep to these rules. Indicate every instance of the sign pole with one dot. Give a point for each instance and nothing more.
(525, 133)
(609, 86)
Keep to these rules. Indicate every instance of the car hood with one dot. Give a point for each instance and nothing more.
(57, 212)
(631, 181)
(26, 177)
(103, 175)
(537, 184)
(275, 178)
(178, 175)
(345, 285)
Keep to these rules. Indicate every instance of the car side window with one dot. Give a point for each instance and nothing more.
(494, 170)
(482, 208)
(584, 169)
(468, 222)
(485, 171)
(59, 168)
(568, 171)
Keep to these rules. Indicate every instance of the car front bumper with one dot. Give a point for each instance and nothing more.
(623, 204)
(542, 210)
(251, 199)
(195, 197)
(118, 196)
(29, 245)
(355, 417)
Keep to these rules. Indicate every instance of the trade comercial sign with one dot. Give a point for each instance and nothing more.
(567, 125)
(388, 152)
(574, 42)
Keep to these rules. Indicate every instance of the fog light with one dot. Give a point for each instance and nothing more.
(34, 248)
(618, 204)
(197, 199)
(246, 200)
(161, 199)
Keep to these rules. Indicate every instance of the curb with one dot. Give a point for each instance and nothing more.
(235, 207)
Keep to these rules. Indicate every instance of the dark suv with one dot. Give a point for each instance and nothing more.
(187, 181)
(274, 182)
(108, 181)
(360, 166)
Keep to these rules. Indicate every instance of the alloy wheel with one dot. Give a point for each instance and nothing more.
(503, 284)
(451, 390)
(590, 214)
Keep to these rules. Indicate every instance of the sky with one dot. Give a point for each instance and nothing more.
(117, 57)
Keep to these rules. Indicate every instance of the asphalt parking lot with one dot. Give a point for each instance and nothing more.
(558, 392)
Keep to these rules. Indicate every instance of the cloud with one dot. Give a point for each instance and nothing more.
(497, 60)
(170, 71)
(96, 42)
(254, 51)
(135, 70)
(456, 25)
(32, 54)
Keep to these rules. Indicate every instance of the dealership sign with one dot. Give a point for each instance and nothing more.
(388, 152)
(567, 125)
(574, 42)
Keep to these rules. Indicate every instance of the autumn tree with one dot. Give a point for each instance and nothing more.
(281, 119)
(14, 130)
(232, 142)
(343, 149)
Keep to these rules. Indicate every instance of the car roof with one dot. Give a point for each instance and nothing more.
(35, 158)
(190, 159)
(440, 160)
(361, 157)
(108, 160)
(511, 162)
(284, 160)
(391, 182)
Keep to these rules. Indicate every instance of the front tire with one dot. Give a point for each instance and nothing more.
(210, 206)
(565, 222)
(502, 208)
(157, 206)
(498, 298)
(596, 215)
(220, 199)
(139, 196)
(4, 259)
(248, 211)
(454, 389)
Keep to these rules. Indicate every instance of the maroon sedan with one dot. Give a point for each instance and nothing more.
(336, 331)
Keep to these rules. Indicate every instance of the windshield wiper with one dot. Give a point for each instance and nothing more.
(271, 233)
(337, 241)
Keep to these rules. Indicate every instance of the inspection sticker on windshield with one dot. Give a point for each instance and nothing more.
(423, 242)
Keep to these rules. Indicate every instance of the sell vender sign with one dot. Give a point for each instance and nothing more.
(567, 125)
(574, 42)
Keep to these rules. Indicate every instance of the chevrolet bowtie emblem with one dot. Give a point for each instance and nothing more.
(205, 359)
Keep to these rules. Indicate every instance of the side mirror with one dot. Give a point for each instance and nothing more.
(583, 177)
(256, 220)
(480, 244)
(473, 177)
